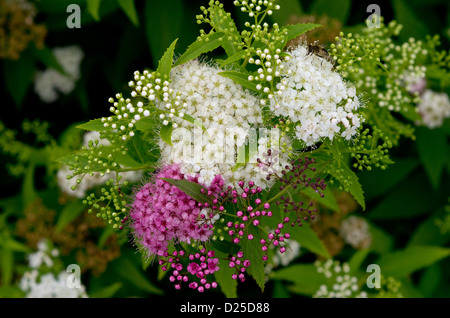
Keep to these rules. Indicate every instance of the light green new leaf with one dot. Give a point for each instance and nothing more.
(166, 134)
(129, 9)
(93, 125)
(203, 45)
(192, 189)
(165, 63)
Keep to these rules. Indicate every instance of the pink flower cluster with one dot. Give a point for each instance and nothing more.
(201, 265)
(161, 213)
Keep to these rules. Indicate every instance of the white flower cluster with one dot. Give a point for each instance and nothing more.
(434, 108)
(228, 112)
(343, 285)
(42, 255)
(316, 98)
(49, 83)
(355, 231)
(37, 285)
(89, 181)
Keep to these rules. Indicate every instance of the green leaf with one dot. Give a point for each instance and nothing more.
(296, 30)
(412, 25)
(146, 124)
(138, 149)
(93, 125)
(105, 292)
(252, 251)
(29, 193)
(221, 21)
(18, 76)
(46, 56)
(305, 278)
(355, 187)
(430, 280)
(391, 177)
(233, 58)
(192, 189)
(406, 200)
(15, 246)
(166, 134)
(288, 8)
(194, 121)
(382, 242)
(130, 272)
(203, 45)
(357, 260)
(240, 78)
(163, 23)
(308, 239)
(6, 265)
(405, 262)
(227, 284)
(338, 9)
(93, 7)
(434, 152)
(328, 199)
(69, 213)
(130, 10)
(427, 233)
(165, 64)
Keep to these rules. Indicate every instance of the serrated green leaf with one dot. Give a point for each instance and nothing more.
(227, 284)
(203, 45)
(192, 189)
(252, 251)
(308, 239)
(234, 58)
(130, 10)
(166, 134)
(93, 125)
(296, 30)
(355, 187)
(240, 78)
(69, 213)
(166, 61)
(402, 263)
